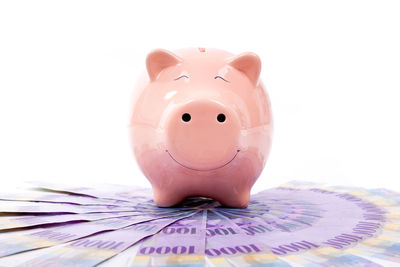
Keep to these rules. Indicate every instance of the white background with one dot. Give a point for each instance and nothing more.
(332, 69)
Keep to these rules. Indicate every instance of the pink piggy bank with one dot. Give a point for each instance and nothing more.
(201, 125)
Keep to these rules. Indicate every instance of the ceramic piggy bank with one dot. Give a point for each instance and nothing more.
(201, 125)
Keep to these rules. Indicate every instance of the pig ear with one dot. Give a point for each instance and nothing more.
(248, 63)
(158, 60)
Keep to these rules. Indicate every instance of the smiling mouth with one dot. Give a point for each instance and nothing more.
(237, 152)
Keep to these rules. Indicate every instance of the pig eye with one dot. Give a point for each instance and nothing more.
(182, 76)
(221, 117)
(186, 117)
(219, 77)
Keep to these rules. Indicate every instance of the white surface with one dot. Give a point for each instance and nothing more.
(332, 69)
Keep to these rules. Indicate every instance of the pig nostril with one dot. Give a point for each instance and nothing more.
(186, 117)
(221, 117)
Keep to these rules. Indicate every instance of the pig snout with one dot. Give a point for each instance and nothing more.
(202, 135)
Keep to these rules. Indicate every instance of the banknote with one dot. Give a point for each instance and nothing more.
(105, 191)
(7, 206)
(179, 244)
(354, 190)
(229, 245)
(329, 257)
(382, 200)
(96, 249)
(385, 193)
(275, 214)
(123, 259)
(383, 247)
(41, 196)
(380, 197)
(328, 229)
(46, 237)
(141, 198)
(11, 222)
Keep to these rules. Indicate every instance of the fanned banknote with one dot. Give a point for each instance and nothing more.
(295, 224)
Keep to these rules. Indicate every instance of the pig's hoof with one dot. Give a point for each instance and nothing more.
(166, 199)
(239, 201)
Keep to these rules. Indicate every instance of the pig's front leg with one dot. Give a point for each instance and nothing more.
(167, 197)
(239, 199)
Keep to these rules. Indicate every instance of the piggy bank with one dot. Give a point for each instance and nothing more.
(201, 125)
